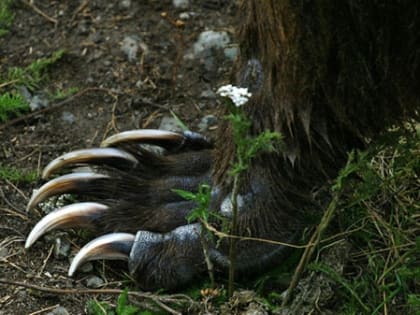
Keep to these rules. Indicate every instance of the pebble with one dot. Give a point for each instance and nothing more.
(124, 4)
(130, 47)
(68, 117)
(59, 311)
(38, 102)
(94, 282)
(170, 124)
(61, 248)
(208, 94)
(231, 52)
(210, 39)
(86, 267)
(207, 122)
(181, 4)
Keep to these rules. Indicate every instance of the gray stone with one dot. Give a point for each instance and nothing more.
(231, 52)
(130, 47)
(86, 267)
(38, 102)
(170, 124)
(61, 248)
(208, 94)
(59, 311)
(94, 282)
(181, 4)
(68, 117)
(207, 122)
(210, 39)
(124, 4)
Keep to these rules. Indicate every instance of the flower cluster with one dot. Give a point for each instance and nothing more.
(238, 95)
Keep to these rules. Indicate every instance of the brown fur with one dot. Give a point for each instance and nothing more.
(335, 75)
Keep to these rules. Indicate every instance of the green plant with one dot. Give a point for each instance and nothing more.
(201, 213)
(6, 16)
(93, 307)
(15, 175)
(32, 75)
(12, 104)
(64, 93)
(246, 148)
(379, 212)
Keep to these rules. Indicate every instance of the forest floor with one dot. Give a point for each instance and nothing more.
(111, 94)
(130, 65)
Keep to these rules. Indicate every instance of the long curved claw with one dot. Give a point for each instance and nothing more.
(96, 156)
(109, 246)
(76, 215)
(63, 184)
(165, 139)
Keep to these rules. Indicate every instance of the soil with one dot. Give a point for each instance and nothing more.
(114, 94)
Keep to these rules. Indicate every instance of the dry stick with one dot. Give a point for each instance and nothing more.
(209, 264)
(309, 250)
(220, 234)
(2, 85)
(51, 108)
(37, 10)
(159, 300)
(233, 241)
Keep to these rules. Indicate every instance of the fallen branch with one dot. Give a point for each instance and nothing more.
(220, 234)
(160, 300)
(41, 13)
(310, 247)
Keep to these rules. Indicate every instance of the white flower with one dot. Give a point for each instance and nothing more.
(238, 95)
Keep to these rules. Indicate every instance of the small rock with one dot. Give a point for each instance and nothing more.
(181, 4)
(38, 102)
(206, 122)
(61, 248)
(231, 52)
(94, 282)
(130, 46)
(184, 16)
(208, 94)
(86, 267)
(210, 39)
(170, 124)
(68, 117)
(59, 311)
(124, 4)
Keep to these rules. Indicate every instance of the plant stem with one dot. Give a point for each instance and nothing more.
(205, 246)
(233, 230)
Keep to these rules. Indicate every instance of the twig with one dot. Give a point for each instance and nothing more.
(220, 234)
(37, 10)
(45, 261)
(45, 309)
(309, 250)
(20, 192)
(2, 85)
(233, 241)
(51, 108)
(158, 299)
(81, 7)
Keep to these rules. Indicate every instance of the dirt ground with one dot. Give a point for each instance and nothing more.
(114, 94)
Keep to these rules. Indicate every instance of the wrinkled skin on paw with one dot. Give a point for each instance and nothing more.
(138, 217)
